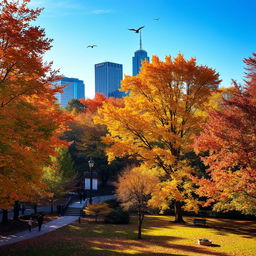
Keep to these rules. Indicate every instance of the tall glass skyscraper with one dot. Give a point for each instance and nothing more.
(139, 56)
(74, 90)
(108, 76)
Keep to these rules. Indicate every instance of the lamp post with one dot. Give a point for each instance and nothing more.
(91, 164)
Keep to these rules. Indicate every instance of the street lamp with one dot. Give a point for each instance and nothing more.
(91, 164)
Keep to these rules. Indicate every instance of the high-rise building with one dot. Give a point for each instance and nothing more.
(108, 76)
(73, 90)
(139, 56)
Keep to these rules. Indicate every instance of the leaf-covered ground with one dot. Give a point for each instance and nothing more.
(161, 237)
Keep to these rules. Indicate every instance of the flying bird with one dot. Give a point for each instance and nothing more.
(91, 46)
(157, 19)
(136, 30)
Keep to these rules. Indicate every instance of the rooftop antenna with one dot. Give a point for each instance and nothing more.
(140, 42)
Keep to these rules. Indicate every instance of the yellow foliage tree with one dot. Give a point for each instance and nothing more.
(167, 103)
(97, 209)
(135, 187)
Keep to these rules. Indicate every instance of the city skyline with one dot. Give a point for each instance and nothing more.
(219, 34)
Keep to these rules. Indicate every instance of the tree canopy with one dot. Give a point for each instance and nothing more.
(229, 138)
(167, 104)
(135, 187)
(31, 121)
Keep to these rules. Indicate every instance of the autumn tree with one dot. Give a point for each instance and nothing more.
(97, 209)
(86, 138)
(31, 121)
(229, 138)
(164, 110)
(135, 187)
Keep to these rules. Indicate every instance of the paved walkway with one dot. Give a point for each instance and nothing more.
(47, 227)
(51, 225)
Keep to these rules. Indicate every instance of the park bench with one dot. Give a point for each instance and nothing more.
(200, 222)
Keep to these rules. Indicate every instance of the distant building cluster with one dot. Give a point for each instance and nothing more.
(108, 77)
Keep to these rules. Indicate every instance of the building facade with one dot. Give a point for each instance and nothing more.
(108, 76)
(73, 90)
(139, 56)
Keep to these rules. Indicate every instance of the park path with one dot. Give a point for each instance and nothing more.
(49, 226)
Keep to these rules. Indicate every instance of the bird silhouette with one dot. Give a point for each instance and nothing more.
(136, 30)
(91, 46)
(157, 19)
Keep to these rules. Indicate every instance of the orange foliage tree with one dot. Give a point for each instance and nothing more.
(229, 137)
(163, 112)
(30, 120)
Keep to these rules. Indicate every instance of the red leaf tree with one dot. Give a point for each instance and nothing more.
(230, 139)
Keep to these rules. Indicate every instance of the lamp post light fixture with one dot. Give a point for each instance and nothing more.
(91, 164)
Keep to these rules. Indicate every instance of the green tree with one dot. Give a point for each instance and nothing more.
(61, 176)
(75, 105)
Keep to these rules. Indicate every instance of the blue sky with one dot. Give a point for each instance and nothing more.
(219, 33)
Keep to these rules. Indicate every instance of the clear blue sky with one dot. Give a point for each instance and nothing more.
(219, 33)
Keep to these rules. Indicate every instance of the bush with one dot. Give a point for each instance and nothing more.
(113, 203)
(25, 216)
(117, 216)
(97, 209)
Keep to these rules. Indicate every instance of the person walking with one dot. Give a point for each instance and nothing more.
(40, 220)
(30, 222)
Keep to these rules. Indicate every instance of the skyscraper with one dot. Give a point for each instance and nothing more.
(74, 90)
(108, 76)
(139, 56)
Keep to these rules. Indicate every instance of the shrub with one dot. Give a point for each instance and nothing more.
(97, 209)
(117, 216)
(113, 203)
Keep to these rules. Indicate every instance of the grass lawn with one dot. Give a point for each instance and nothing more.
(161, 237)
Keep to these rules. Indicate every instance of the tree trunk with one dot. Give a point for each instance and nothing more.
(178, 212)
(140, 219)
(4, 216)
(16, 210)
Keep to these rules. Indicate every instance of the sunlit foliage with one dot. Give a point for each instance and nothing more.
(97, 209)
(229, 137)
(167, 103)
(135, 187)
(30, 120)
